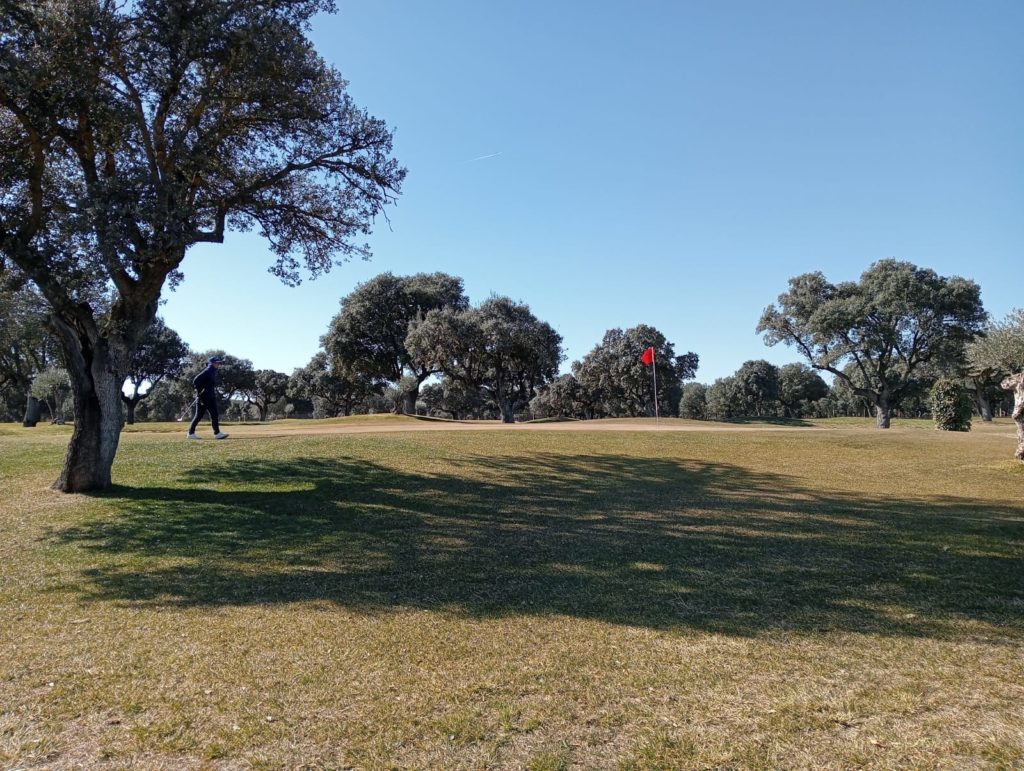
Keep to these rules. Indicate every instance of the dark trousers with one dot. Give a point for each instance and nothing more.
(206, 404)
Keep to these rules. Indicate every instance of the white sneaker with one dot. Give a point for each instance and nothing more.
(191, 436)
(221, 435)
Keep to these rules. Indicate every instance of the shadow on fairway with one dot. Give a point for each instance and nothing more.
(657, 543)
(769, 421)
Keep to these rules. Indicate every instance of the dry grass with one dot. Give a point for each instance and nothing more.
(829, 597)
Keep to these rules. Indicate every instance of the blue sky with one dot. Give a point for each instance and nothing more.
(668, 163)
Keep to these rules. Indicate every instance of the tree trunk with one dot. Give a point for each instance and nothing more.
(1015, 383)
(96, 384)
(883, 414)
(33, 412)
(984, 406)
(129, 405)
(508, 413)
(409, 400)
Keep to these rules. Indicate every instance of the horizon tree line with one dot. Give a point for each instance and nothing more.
(441, 367)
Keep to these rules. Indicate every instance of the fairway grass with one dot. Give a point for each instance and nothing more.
(391, 593)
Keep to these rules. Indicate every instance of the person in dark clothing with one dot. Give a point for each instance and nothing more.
(206, 398)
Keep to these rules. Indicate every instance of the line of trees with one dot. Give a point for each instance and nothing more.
(393, 334)
(34, 383)
(414, 344)
(129, 132)
(759, 389)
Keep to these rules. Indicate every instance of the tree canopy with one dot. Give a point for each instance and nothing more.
(896, 319)
(368, 335)
(755, 388)
(131, 131)
(26, 345)
(619, 383)
(268, 387)
(332, 390)
(499, 348)
(799, 386)
(161, 354)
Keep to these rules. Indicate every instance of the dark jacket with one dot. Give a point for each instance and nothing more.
(205, 383)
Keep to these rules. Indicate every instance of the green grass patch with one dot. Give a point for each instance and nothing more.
(828, 597)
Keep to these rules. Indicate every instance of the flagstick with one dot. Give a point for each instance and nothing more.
(654, 374)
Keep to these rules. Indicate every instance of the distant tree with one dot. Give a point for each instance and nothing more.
(298, 407)
(563, 397)
(846, 399)
(499, 349)
(721, 399)
(451, 398)
(950, 405)
(916, 402)
(896, 319)
(130, 131)
(370, 330)
(333, 388)
(1002, 349)
(622, 385)
(799, 387)
(161, 354)
(983, 385)
(268, 386)
(694, 402)
(755, 389)
(397, 395)
(26, 345)
(52, 386)
(166, 401)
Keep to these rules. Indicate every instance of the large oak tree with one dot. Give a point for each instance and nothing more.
(131, 131)
(618, 383)
(368, 333)
(333, 388)
(888, 326)
(498, 349)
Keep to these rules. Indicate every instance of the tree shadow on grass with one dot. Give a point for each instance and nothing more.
(769, 421)
(661, 543)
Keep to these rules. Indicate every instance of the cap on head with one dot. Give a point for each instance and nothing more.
(215, 360)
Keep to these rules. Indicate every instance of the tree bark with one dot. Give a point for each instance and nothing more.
(96, 376)
(129, 409)
(984, 406)
(33, 412)
(508, 413)
(883, 415)
(1015, 383)
(409, 400)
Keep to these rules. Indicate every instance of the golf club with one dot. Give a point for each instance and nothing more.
(188, 409)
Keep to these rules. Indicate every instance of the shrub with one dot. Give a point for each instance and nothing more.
(951, 406)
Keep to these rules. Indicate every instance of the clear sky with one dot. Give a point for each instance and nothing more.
(671, 163)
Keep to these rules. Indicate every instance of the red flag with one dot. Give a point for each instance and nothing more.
(647, 357)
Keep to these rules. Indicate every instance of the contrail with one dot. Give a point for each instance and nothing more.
(483, 157)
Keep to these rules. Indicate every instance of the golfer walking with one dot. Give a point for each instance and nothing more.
(206, 398)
